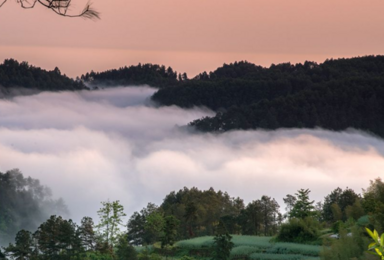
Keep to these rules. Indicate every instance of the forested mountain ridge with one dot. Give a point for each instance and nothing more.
(14, 74)
(336, 95)
(151, 74)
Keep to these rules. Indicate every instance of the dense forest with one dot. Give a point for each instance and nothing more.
(22, 75)
(189, 213)
(336, 95)
(148, 74)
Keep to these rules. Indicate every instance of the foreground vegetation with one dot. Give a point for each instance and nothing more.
(194, 224)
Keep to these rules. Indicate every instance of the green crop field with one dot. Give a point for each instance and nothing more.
(257, 248)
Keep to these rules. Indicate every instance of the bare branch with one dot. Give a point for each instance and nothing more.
(3, 3)
(60, 7)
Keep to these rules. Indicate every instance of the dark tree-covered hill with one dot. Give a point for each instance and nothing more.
(151, 74)
(15, 75)
(336, 94)
(24, 204)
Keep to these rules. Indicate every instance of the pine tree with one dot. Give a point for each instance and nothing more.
(303, 207)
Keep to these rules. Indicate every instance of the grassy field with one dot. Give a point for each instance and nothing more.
(257, 248)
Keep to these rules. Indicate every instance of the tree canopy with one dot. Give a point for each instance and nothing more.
(14, 74)
(335, 95)
(24, 204)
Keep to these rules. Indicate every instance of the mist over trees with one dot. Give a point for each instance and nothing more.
(335, 95)
(24, 204)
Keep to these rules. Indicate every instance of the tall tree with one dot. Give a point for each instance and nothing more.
(111, 215)
(137, 233)
(373, 203)
(57, 236)
(87, 233)
(303, 206)
(289, 201)
(270, 212)
(222, 244)
(124, 251)
(23, 247)
(341, 198)
(169, 231)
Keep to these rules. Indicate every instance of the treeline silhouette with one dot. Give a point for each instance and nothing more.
(15, 74)
(151, 74)
(336, 95)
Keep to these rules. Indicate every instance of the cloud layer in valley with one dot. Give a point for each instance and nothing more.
(112, 144)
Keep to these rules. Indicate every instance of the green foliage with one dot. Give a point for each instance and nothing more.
(24, 203)
(199, 211)
(243, 251)
(137, 233)
(187, 258)
(377, 246)
(147, 255)
(222, 246)
(58, 236)
(260, 256)
(169, 231)
(373, 203)
(346, 247)
(292, 248)
(23, 248)
(337, 226)
(303, 207)
(111, 215)
(342, 204)
(154, 225)
(299, 230)
(124, 251)
(260, 217)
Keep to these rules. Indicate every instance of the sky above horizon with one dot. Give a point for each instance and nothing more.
(191, 36)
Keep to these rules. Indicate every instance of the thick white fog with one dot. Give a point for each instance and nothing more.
(112, 144)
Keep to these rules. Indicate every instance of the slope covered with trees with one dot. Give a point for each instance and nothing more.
(15, 74)
(205, 218)
(24, 204)
(150, 74)
(335, 95)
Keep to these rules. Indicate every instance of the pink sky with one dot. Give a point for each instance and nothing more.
(192, 36)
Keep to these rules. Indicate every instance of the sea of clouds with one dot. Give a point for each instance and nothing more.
(91, 146)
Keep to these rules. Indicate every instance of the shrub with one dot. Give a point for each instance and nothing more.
(290, 248)
(345, 247)
(299, 230)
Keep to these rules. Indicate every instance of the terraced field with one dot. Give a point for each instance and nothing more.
(257, 248)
